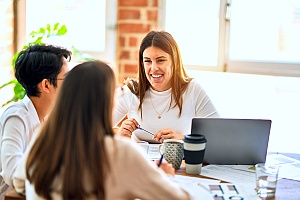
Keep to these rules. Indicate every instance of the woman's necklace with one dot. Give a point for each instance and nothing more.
(158, 114)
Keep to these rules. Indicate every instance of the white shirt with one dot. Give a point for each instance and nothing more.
(17, 125)
(196, 103)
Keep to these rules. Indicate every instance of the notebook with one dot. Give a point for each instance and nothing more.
(233, 141)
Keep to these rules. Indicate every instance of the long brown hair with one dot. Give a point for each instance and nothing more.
(180, 79)
(70, 145)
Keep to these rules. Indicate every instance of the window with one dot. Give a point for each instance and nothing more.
(250, 36)
(195, 25)
(264, 36)
(90, 24)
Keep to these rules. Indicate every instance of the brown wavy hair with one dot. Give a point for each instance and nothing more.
(70, 146)
(180, 79)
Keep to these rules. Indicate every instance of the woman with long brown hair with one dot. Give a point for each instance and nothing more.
(76, 155)
(163, 99)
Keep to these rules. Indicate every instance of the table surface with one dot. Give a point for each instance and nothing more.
(286, 189)
(13, 195)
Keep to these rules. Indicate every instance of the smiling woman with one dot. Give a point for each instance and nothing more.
(163, 99)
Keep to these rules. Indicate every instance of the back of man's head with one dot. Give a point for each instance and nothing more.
(38, 62)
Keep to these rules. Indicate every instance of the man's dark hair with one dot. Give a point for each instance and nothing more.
(39, 62)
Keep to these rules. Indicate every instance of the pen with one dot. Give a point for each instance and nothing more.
(221, 189)
(145, 130)
(235, 189)
(160, 160)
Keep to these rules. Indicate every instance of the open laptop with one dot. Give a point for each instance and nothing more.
(233, 141)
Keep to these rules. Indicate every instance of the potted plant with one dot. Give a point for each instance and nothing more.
(38, 37)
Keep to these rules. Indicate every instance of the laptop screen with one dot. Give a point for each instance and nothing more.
(233, 141)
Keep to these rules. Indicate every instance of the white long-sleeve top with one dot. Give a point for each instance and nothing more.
(132, 176)
(196, 103)
(17, 125)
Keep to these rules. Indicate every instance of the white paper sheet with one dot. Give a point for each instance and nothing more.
(201, 188)
(153, 153)
(289, 168)
(242, 174)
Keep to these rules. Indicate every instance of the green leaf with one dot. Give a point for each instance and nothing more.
(38, 40)
(48, 29)
(42, 30)
(80, 56)
(19, 91)
(6, 84)
(33, 33)
(14, 60)
(63, 30)
(9, 101)
(55, 26)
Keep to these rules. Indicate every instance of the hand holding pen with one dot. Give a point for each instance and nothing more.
(164, 165)
(160, 140)
(163, 134)
(127, 126)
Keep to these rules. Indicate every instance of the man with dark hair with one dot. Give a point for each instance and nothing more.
(40, 69)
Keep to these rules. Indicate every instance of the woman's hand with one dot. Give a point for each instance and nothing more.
(167, 133)
(167, 167)
(127, 127)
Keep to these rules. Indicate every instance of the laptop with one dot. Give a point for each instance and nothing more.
(233, 141)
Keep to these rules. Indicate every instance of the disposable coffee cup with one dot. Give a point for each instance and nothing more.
(194, 149)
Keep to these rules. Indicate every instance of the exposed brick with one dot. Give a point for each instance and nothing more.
(133, 41)
(124, 55)
(129, 68)
(134, 28)
(133, 3)
(129, 14)
(152, 15)
(154, 3)
(131, 29)
(121, 41)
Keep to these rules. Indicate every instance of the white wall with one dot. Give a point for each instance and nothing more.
(258, 96)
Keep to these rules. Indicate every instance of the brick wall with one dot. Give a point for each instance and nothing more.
(135, 19)
(6, 33)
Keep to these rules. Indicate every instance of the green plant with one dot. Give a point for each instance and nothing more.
(37, 37)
